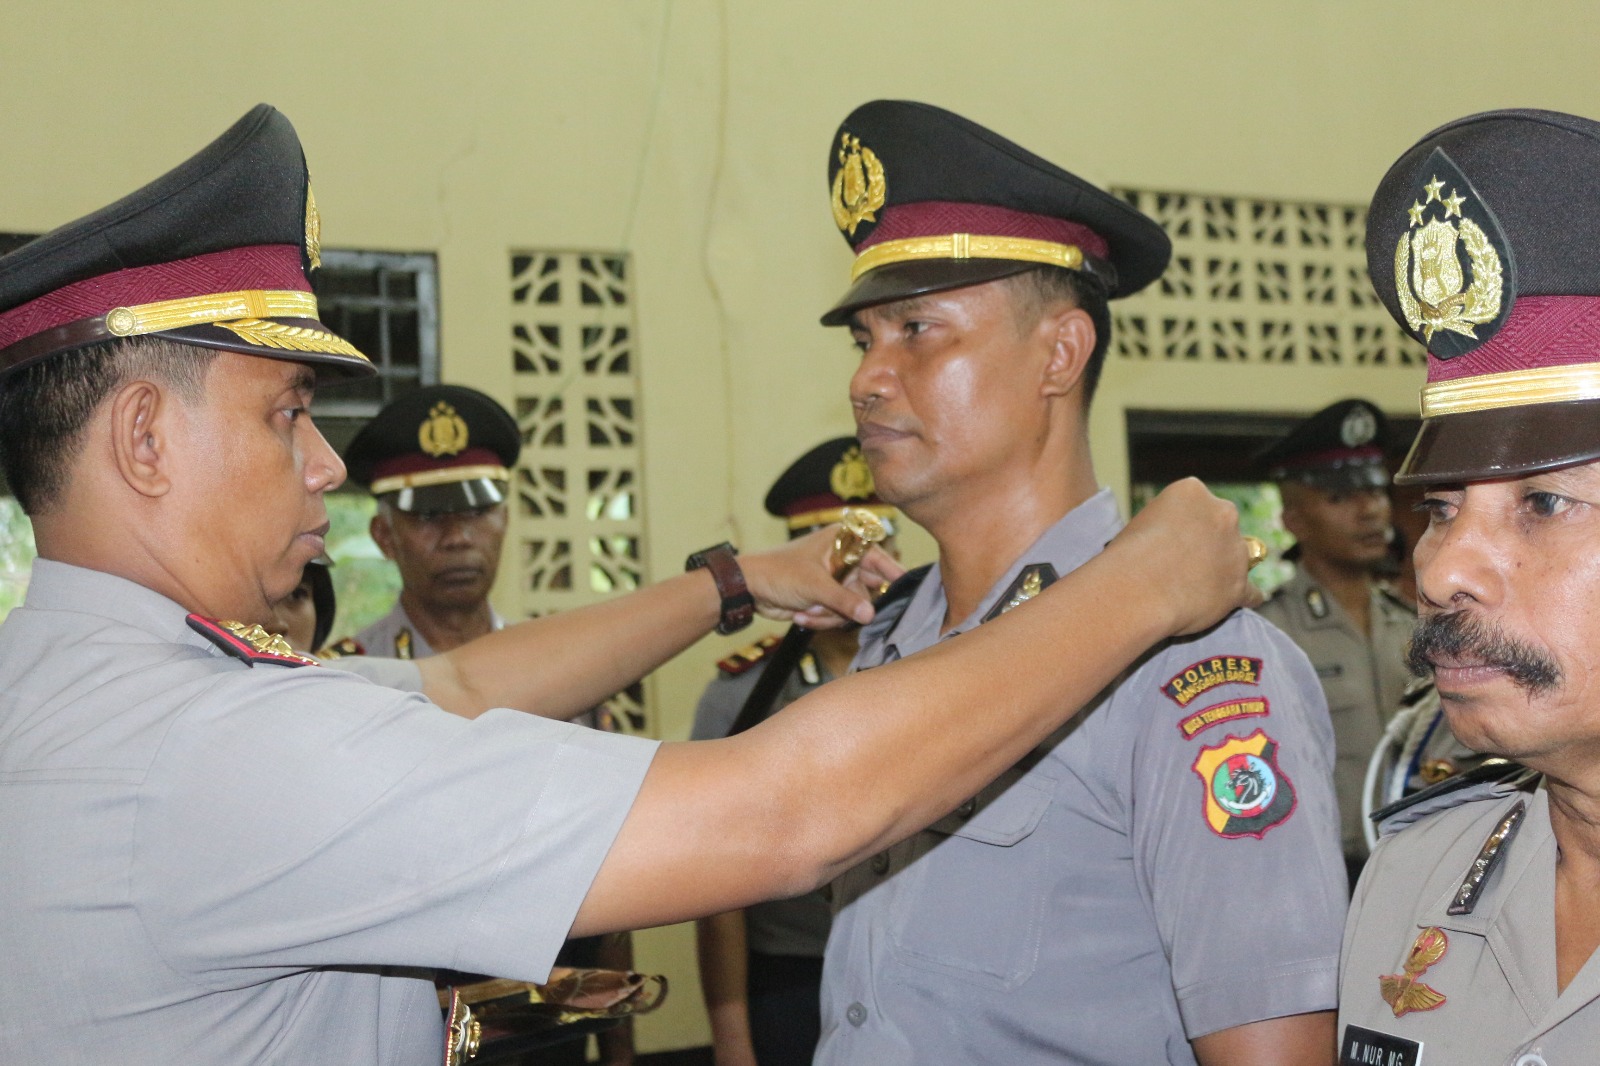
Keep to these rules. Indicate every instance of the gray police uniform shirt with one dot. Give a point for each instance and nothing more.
(1480, 988)
(1166, 866)
(383, 637)
(209, 860)
(1363, 680)
(796, 926)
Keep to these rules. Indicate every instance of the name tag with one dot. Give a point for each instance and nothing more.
(1364, 1047)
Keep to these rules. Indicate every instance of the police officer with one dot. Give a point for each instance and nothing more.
(761, 968)
(439, 460)
(1161, 881)
(1330, 471)
(257, 852)
(1471, 933)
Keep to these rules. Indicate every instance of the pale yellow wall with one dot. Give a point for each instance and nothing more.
(693, 136)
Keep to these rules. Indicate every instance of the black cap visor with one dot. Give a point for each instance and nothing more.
(469, 495)
(1502, 442)
(918, 277)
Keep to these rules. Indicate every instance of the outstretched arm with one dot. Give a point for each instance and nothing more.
(563, 665)
(871, 758)
(1298, 1040)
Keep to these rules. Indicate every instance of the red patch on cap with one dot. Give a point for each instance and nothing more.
(1541, 331)
(263, 266)
(416, 462)
(933, 218)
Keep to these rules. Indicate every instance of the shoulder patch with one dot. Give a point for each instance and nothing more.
(250, 643)
(1250, 707)
(343, 648)
(1187, 684)
(1494, 779)
(748, 656)
(1245, 791)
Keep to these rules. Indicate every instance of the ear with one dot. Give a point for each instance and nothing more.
(382, 534)
(140, 413)
(1070, 333)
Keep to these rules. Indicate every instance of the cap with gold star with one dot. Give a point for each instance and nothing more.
(216, 253)
(435, 449)
(1338, 448)
(932, 201)
(817, 487)
(1480, 242)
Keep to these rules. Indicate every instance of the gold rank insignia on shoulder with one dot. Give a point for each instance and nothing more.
(859, 187)
(343, 648)
(851, 477)
(1317, 604)
(1033, 580)
(443, 432)
(746, 657)
(1404, 991)
(250, 643)
(402, 644)
(1438, 292)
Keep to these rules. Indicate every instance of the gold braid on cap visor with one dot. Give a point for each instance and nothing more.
(1514, 388)
(242, 312)
(443, 476)
(968, 246)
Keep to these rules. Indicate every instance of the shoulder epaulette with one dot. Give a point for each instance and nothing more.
(343, 648)
(250, 643)
(745, 658)
(904, 586)
(1493, 779)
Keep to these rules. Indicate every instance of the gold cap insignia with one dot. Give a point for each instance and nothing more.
(858, 186)
(1431, 280)
(1403, 991)
(313, 230)
(851, 477)
(444, 432)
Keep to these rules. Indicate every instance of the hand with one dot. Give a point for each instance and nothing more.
(796, 583)
(1185, 549)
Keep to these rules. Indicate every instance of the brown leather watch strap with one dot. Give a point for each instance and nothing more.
(738, 606)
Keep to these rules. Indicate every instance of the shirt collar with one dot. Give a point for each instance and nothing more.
(55, 586)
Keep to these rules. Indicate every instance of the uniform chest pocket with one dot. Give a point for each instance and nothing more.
(970, 902)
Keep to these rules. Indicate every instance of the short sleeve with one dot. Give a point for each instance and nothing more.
(1236, 830)
(402, 675)
(310, 819)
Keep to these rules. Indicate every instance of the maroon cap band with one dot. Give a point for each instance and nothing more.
(930, 218)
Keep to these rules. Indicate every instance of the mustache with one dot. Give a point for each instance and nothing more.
(1462, 637)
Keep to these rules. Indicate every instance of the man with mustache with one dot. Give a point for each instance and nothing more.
(438, 459)
(1330, 471)
(1471, 935)
(1089, 906)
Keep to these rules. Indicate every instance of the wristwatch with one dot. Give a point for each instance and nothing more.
(738, 606)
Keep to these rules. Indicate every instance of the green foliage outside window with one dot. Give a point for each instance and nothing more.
(1259, 509)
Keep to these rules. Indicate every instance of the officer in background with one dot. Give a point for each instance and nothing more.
(1330, 470)
(1158, 881)
(439, 461)
(1471, 935)
(761, 968)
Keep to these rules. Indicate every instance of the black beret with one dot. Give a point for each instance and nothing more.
(932, 201)
(216, 253)
(1480, 243)
(818, 486)
(437, 448)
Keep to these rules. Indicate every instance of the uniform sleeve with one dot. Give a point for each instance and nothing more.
(720, 704)
(1236, 831)
(299, 818)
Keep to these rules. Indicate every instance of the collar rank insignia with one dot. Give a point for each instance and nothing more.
(1444, 299)
(402, 644)
(1032, 581)
(1403, 991)
(1489, 857)
(1317, 604)
(249, 642)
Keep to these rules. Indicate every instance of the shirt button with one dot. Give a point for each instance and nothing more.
(967, 809)
(880, 866)
(1532, 1059)
(856, 1015)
